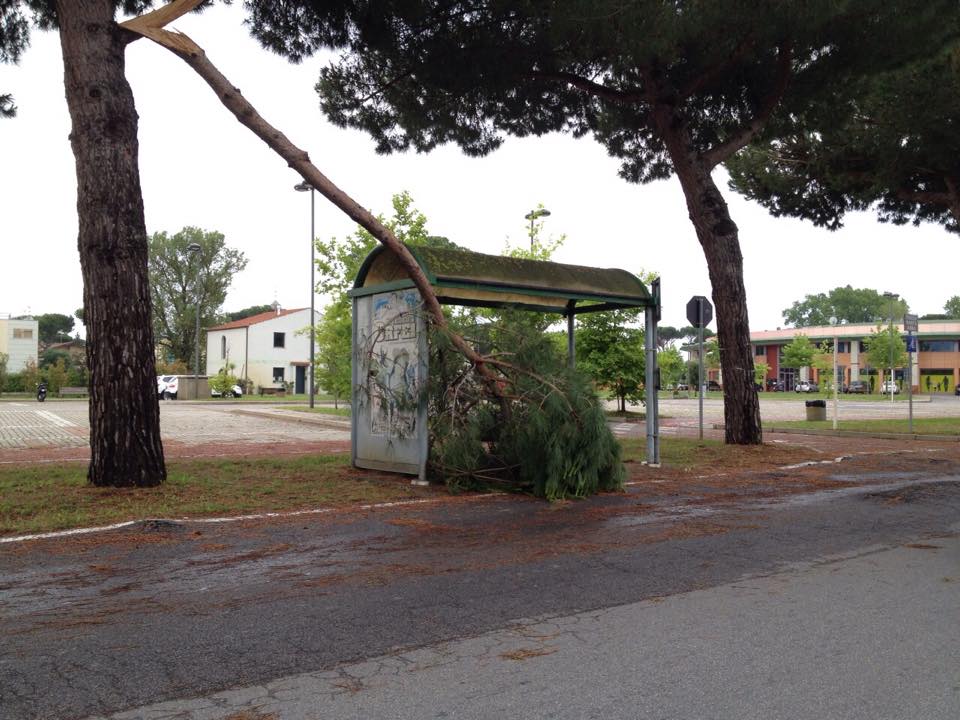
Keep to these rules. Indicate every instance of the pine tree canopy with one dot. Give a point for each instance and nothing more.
(420, 74)
(890, 141)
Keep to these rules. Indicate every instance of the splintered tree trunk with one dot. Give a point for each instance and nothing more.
(719, 238)
(125, 447)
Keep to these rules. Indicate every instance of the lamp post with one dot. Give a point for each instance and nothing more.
(303, 187)
(891, 296)
(532, 216)
(194, 250)
(833, 323)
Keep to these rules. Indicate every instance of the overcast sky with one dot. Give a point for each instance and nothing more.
(200, 167)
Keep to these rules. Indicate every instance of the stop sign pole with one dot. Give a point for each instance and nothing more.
(699, 314)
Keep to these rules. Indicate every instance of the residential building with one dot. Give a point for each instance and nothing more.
(935, 364)
(268, 349)
(19, 340)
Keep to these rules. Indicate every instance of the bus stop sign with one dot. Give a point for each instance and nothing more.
(699, 311)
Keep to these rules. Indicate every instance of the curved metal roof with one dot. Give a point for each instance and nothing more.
(469, 278)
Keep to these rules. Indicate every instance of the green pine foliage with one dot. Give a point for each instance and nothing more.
(548, 436)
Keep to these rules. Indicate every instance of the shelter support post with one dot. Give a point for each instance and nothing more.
(652, 423)
(571, 342)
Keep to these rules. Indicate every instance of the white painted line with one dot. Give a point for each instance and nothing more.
(55, 419)
(236, 518)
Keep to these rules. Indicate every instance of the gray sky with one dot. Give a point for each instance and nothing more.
(200, 167)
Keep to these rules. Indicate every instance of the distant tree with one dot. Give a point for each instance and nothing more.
(612, 353)
(760, 370)
(180, 281)
(862, 143)
(935, 316)
(52, 327)
(952, 307)
(886, 342)
(246, 312)
(666, 334)
(847, 304)
(51, 357)
(4, 359)
(670, 362)
(55, 375)
(332, 371)
(798, 353)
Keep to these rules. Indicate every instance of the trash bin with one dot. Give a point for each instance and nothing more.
(816, 409)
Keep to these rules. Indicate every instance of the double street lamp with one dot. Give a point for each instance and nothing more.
(532, 216)
(304, 187)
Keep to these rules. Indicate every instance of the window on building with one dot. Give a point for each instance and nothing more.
(843, 346)
(759, 350)
(223, 347)
(938, 346)
(863, 346)
(23, 333)
(278, 374)
(280, 340)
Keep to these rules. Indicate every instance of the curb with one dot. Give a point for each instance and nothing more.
(307, 419)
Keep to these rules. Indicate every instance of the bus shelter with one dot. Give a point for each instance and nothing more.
(389, 343)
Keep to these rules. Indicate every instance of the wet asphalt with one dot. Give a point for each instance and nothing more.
(101, 623)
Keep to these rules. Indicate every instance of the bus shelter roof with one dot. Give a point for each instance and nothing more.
(461, 277)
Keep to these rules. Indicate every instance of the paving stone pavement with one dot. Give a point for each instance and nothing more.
(65, 424)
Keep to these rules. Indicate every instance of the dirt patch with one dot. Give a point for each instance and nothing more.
(527, 653)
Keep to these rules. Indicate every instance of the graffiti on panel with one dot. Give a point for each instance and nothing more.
(393, 370)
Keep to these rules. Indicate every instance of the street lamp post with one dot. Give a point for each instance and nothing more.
(303, 187)
(833, 322)
(532, 216)
(194, 250)
(891, 296)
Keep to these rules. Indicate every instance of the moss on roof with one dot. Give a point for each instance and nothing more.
(455, 268)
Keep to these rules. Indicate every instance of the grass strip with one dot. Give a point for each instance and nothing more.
(40, 498)
(921, 426)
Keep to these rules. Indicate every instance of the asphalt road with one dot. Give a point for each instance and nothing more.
(114, 622)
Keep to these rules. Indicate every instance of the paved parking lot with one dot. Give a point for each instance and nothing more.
(64, 424)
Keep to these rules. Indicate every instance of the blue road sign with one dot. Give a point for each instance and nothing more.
(911, 343)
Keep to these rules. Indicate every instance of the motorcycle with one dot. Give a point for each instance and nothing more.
(41, 392)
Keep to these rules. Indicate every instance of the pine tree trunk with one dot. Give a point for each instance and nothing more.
(125, 446)
(719, 238)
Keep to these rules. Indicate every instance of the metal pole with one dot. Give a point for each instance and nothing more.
(650, 386)
(891, 347)
(700, 354)
(910, 380)
(313, 287)
(835, 383)
(571, 342)
(196, 349)
(531, 229)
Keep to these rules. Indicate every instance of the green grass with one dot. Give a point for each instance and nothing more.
(38, 498)
(795, 396)
(922, 426)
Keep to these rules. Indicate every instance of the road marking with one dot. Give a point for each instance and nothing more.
(55, 419)
(238, 518)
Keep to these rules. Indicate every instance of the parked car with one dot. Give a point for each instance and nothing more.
(714, 385)
(889, 386)
(857, 386)
(235, 392)
(774, 385)
(167, 386)
(683, 387)
(806, 386)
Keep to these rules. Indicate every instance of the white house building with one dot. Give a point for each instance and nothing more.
(19, 339)
(268, 349)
